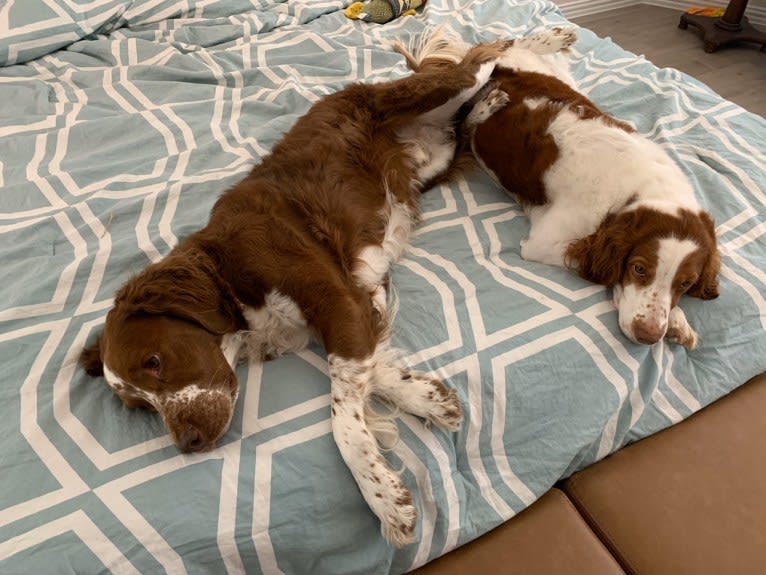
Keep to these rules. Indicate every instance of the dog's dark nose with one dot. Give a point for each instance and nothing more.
(647, 333)
(190, 440)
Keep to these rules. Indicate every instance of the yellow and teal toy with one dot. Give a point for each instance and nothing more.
(382, 11)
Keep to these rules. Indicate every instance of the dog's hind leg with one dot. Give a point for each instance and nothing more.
(541, 53)
(439, 95)
(548, 41)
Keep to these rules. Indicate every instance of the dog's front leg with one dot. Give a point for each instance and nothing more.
(679, 330)
(549, 235)
(418, 393)
(382, 489)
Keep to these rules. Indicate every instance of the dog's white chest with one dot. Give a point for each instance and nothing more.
(276, 328)
(430, 148)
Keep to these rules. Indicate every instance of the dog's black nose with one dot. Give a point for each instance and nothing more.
(190, 440)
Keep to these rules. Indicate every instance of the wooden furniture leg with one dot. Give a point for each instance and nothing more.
(731, 27)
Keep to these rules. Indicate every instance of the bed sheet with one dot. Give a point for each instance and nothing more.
(120, 124)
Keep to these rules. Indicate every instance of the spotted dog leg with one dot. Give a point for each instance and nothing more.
(381, 488)
(418, 393)
(679, 330)
(494, 101)
(548, 41)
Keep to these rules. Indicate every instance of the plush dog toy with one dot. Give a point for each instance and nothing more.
(382, 11)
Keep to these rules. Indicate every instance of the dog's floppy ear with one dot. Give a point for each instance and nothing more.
(186, 286)
(600, 257)
(90, 359)
(707, 284)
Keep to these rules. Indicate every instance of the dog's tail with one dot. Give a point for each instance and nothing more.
(439, 49)
(433, 48)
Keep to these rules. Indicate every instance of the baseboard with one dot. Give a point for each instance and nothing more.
(577, 8)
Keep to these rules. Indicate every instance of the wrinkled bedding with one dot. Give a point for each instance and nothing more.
(121, 121)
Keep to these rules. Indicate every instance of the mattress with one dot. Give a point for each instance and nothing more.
(122, 121)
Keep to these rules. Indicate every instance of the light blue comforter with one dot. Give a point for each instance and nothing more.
(121, 121)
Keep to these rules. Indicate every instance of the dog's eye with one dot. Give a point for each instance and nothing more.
(153, 363)
(639, 270)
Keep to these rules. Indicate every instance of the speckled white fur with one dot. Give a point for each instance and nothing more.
(353, 381)
(120, 386)
(276, 328)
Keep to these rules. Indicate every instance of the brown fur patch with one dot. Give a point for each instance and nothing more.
(515, 144)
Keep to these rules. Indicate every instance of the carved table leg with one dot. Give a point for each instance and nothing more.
(733, 26)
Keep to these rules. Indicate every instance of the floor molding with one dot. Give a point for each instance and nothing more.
(577, 8)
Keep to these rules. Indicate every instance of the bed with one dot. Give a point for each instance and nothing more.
(120, 124)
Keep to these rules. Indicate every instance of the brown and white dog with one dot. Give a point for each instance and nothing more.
(601, 198)
(301, 248)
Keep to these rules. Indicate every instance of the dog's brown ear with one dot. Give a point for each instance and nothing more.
(707, 284)
(600, 257)
(90, 359)
(186, 287)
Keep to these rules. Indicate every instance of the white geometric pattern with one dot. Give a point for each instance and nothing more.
(121, 121)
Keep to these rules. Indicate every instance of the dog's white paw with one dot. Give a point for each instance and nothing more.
(493, 102)
(445, 409)
(398, 516)
(525, 250)
(679, 330)
(430, 399)
(549, 41)
(683, 335)
(420, 394)
(562, 38)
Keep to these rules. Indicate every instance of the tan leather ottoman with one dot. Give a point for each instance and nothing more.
(548, 538)
(690, 499)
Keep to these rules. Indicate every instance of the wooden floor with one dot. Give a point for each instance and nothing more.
(736, 72)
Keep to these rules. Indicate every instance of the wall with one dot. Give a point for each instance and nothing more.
(756, 9)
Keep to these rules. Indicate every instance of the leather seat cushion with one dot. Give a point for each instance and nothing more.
(690, 499)
(547, 538)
